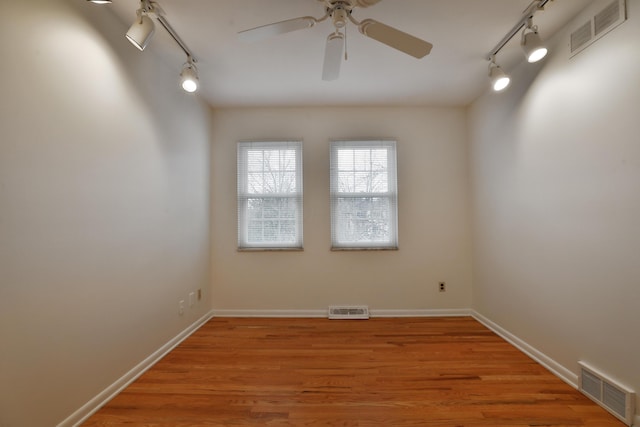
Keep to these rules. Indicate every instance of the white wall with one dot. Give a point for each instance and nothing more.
(555, 172)
(434, 234)
(104, 207)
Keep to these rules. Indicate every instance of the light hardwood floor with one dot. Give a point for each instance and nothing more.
(377, 372)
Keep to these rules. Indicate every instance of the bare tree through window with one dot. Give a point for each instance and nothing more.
(270, 194)
(363, 194)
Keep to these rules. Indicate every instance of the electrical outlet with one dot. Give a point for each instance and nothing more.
(181, 307)
(442, 286)
(199, 294)
(192, 299)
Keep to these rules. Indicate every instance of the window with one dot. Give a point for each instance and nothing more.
(363, 195)
(270, 195)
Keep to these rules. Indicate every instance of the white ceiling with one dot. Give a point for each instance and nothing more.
(286, 70)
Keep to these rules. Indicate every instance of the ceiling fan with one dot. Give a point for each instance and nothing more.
(340, 12)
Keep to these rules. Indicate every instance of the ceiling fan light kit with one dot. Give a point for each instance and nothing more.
(339, 16)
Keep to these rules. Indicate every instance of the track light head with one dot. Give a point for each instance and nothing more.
(499, 79)
(532, 44)
(189, 77)
(141, 31)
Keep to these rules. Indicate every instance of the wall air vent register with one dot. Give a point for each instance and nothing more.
(613, 397)
(608, 18)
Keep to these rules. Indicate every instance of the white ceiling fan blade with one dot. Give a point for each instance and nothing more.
(269, 30)
(395, 38)
(363, 3)
(333, 56)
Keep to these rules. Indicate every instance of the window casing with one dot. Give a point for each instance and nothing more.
(269, 195)
(364, 195)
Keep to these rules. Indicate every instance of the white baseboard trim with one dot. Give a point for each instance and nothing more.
(557, 369)
(324, 313)
(93, 405)
(268, 313)
(453, 312)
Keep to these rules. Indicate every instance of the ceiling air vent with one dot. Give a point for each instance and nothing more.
(614, 14)
(615, 398)
(348, 312)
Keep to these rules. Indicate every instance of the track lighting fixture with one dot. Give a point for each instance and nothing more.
(142, 30)
(499, 79)
(189, 76)
(532, 44)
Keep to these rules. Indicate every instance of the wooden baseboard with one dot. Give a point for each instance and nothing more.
(89, 408)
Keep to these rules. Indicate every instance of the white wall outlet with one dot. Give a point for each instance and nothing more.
(181, 307)
(442, 287)
(192, 299)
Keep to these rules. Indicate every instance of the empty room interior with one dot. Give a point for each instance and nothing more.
(130, 219)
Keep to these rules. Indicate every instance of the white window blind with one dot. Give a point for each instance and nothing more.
(364, 195)
(270, 195)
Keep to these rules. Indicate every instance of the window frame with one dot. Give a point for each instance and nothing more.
(243, 195)
(391, 194)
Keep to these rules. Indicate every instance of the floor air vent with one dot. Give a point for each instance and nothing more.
(615, 398)
(348, 312)
(612, 15)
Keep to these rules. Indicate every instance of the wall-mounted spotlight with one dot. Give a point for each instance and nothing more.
(142, 30)
(499, 79)
(189, 76)
(532, 44)
(100, 1)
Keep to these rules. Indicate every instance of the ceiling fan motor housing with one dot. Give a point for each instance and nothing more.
(339, 16)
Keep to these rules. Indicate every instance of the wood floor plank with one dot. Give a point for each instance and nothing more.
(318, 372)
